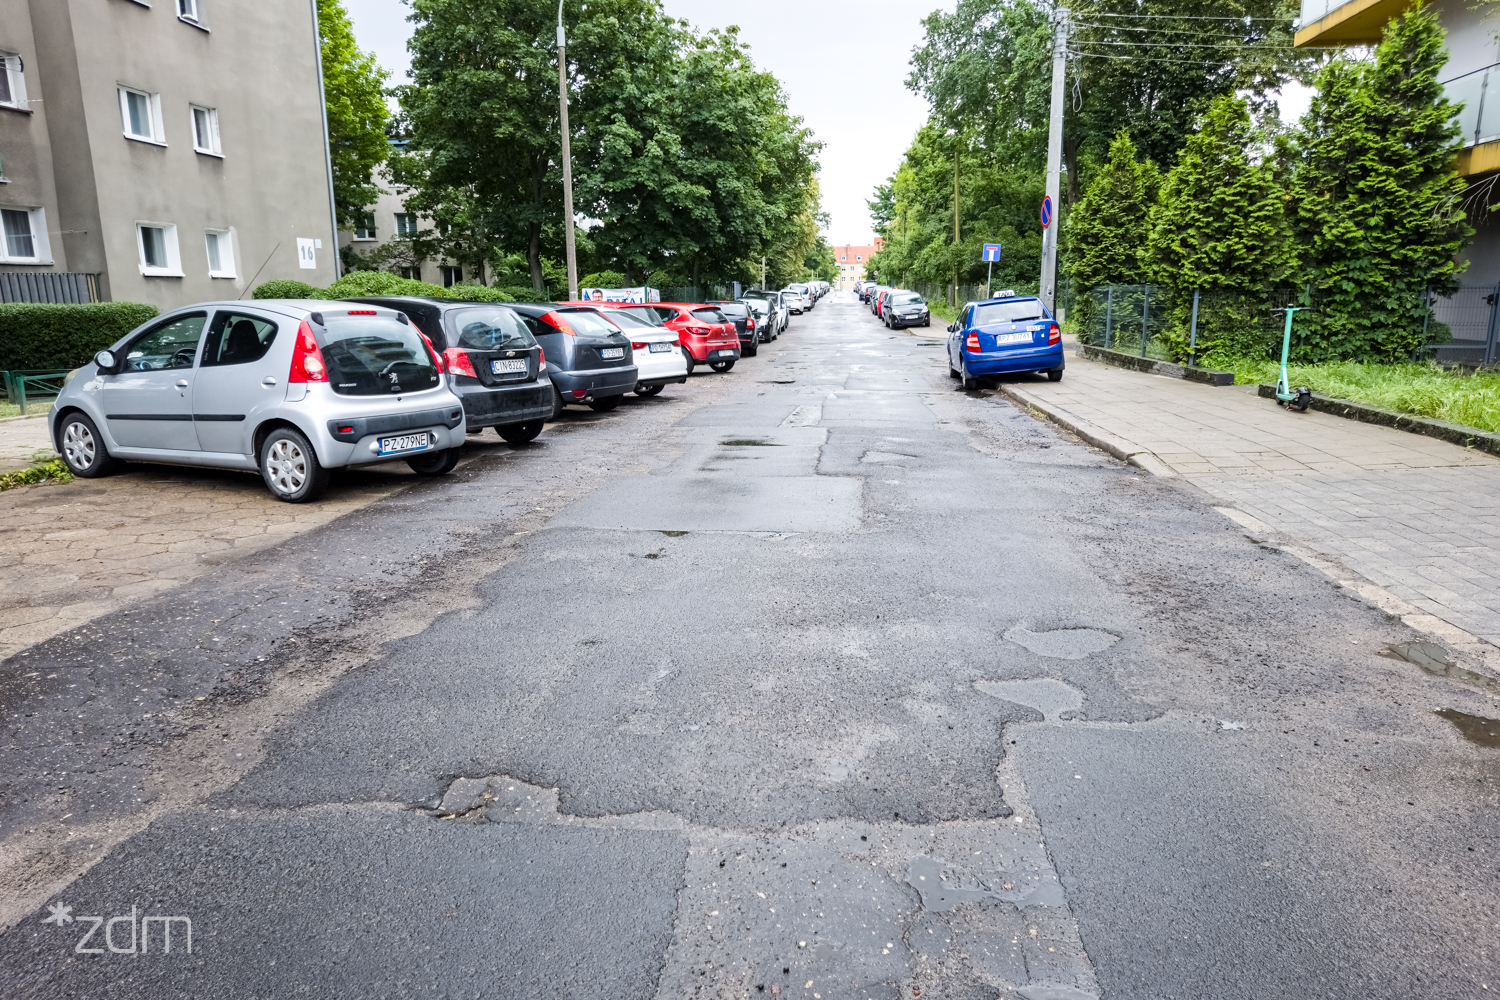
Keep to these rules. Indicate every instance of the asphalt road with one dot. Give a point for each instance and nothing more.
(821, 678)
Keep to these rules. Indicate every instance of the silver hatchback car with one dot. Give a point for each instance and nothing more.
(291, 388)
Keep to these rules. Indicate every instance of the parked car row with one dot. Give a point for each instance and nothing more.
(895, 307)
(293, 388)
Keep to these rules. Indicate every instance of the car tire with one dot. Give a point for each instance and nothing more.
(752, 350)
(1054, 374)
(969, 384)
(647, 391)
(83, 450)
(927, 322)
(690, 362)
(434, 463)
(290, 467)
(520, 433)
(557, 402)
(721, 366)
(606, 403)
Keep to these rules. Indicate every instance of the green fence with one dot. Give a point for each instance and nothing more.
(27, 388)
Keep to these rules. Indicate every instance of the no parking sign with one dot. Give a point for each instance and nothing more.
(1046, 210)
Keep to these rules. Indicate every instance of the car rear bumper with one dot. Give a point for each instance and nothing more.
(1001, 362)
(708, 350)
(491, 406)
(664, 365)
(670, 380)
(595, 383)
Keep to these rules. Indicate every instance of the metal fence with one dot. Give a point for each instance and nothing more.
(49, 286)
(1461, 328)
(1155, 321)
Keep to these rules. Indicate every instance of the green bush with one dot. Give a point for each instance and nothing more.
(478, 293)
(286, 289)
(358, 284)
(63, 336)
(602, 279)
(525, 293)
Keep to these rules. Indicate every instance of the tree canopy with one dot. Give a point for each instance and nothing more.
(353, 87)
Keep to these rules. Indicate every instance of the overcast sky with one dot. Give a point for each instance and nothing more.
(842, 62)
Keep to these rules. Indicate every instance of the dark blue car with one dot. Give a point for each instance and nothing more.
(1002, 336)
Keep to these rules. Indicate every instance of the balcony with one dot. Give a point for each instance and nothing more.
(1352, 22)
(1479, 119)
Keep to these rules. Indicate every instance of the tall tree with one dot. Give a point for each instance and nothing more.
(353, 85)
(1107, 231)
(1378, 201)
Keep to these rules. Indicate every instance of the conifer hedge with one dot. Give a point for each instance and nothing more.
(36, 335)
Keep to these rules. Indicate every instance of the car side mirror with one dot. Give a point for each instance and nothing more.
(953, 327)
(105, 360)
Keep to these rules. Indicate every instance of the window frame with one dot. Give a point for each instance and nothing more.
(158, 136)
(195, 18)
(372, 232)
(173, 268)
(13, 66)
(41, 247)
(451, 275)
(224, 240)
(213, 129)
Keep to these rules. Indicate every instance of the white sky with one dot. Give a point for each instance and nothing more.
(842, 63)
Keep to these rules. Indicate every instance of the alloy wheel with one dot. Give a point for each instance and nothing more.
(79, 446)
(286, 466)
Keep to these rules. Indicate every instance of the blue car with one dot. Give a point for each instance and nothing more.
(1015, 333)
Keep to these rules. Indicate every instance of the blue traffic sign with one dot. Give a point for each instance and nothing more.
(1046, 210)
(991, 252)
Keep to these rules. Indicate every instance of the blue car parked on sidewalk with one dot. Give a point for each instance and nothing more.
(1004, 335)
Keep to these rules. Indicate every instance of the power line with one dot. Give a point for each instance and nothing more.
(1198, 17)
(1191, 45)
(1155, 30)
(1074, 53)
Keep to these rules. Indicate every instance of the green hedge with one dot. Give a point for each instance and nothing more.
(359, 284)
(63, 336)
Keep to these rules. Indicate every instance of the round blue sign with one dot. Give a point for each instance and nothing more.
(1046, 210)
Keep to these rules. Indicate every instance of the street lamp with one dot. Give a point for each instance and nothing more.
(567, 155)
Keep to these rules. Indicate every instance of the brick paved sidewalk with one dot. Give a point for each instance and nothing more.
(20, 440)
(1417, 517)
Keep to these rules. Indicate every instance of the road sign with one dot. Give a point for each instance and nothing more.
(1046, 210)
(991, 253)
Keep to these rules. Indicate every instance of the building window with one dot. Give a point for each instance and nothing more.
(141, 113)
(188, 10)
(845, 257)
(406, 225)
(157, 244)
(206, 130)
(25, 232)
(413, 273)
(452, 276)
(364, 228)
(858, 257)
(12, 82)
(220, 254)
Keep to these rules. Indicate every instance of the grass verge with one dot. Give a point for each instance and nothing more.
(1423, 390)
(51, 470)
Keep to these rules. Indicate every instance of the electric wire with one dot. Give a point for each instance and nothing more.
(1191, 45)
(1198, 17)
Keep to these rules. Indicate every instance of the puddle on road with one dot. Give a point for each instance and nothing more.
(1474, 728)
(1063, 643)
(674, 534)
(1049, 696)
(1437, 661)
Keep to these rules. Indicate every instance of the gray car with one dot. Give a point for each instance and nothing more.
(288, 388)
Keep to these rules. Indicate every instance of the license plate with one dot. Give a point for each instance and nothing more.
(612, 352)
(660, 348)
(508, 367)
(722, 353)
(1012, 338)
(404, 442)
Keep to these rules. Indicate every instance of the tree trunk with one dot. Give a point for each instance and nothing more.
(534, 255)
(697, 275)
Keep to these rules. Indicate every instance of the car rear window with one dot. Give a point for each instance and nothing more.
(907, 299)
(490, 328)
(735, 309)
(710, 315)
(1007, 312)
(633, 319)
(588, 323)
(375, 356)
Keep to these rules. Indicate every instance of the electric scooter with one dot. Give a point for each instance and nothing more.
(1300, 398)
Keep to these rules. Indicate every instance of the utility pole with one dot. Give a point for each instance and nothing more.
(955, 219)
(1054, 161)
(762, 271)
(567, 155)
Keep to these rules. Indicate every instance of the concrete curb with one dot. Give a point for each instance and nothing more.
(1459, 434)
(1125, 451)
(1153, 367)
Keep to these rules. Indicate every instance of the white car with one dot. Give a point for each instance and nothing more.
(796, 303)
(658, 353)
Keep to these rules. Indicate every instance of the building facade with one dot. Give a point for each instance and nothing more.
(851, 260)
(387, 222)
(169, 151)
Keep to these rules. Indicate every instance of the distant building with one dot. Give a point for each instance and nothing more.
(851, 261)
(388, 222)
(160, 152)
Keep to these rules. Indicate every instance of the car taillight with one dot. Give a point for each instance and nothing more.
(972, 343)
(362, 312)
(307, 358)
(638, 347)
(1054, 335)
(750, 323)
(459, 362)
(677, 342)
(697, 331)
(556, 321)
(437, 359)
(541, 360)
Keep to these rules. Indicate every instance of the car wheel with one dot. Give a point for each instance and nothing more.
(752, 350)
(1054, 374)
(434, 463)
(520, 433)
(606, 403)
(83, 449)
(690, 362)
(649, 390)
(722, 366)
(290, 467)
(927, 322)
(969, 383)
(557, 402)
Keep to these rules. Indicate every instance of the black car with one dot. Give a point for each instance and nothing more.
(588, 358)
(494, 363)
(906, 309)
(744, 324)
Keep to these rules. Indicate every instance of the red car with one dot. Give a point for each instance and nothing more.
(708, 336)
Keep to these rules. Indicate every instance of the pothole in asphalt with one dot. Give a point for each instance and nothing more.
(1045, 694)
(1474, 728)
(940, 889)
(749, 443)
(674, 534)
(1437, 661)
(1063, 643)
